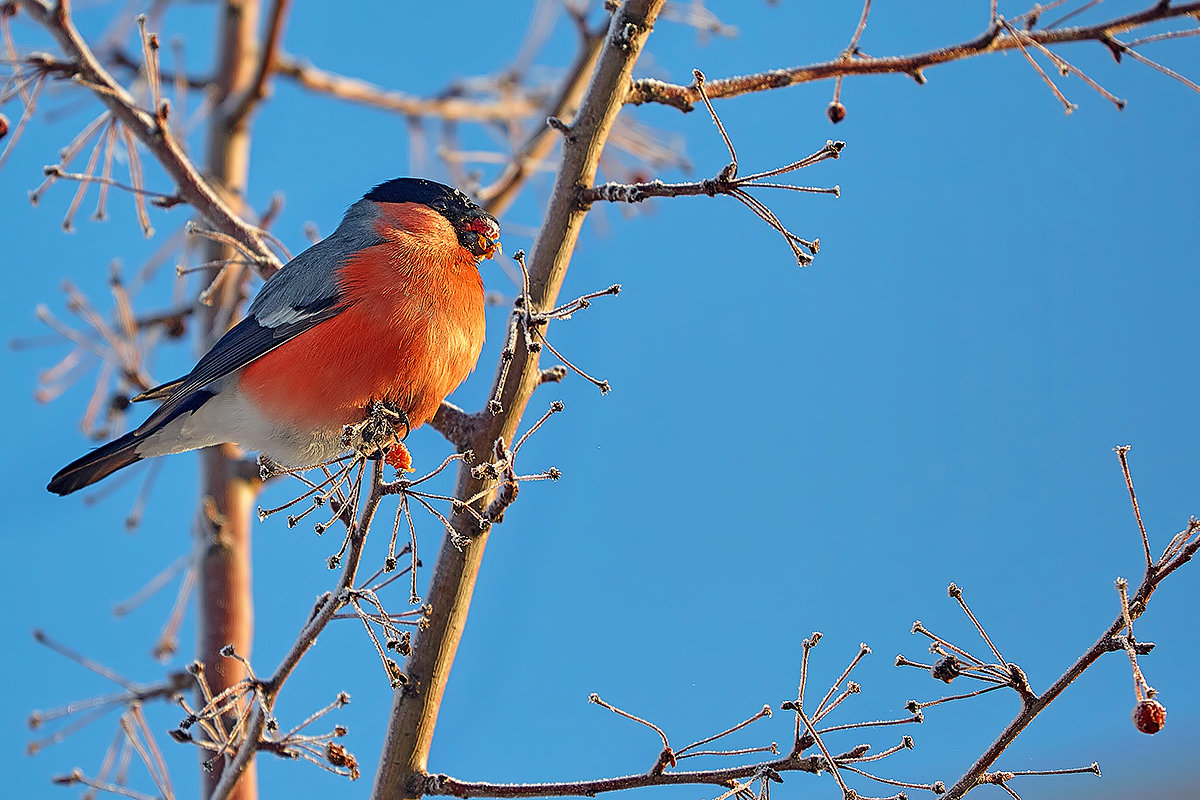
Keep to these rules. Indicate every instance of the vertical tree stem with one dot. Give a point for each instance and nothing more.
(225, 592)
(402, 767)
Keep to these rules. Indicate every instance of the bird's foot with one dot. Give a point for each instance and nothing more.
(379, 432)
(392, 414)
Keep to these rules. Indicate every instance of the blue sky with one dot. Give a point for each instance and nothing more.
(1003, 294)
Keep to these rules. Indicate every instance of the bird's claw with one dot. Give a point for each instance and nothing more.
(379, 431)
(389, 412)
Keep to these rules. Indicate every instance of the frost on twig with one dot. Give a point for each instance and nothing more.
(1020, 32)
(339, 487)
(220, 727)
(531, 325)
(134, 739)
(739, 778)
(728, 182)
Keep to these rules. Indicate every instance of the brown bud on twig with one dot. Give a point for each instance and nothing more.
(836, 112)
(1149, 716)
(339, 756)
(73, 777)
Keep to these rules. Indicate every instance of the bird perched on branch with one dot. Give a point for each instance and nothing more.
(388, 309)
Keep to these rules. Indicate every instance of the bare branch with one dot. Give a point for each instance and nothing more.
(150, 130)
(1021, 38)
(446, 785)
(455, 424)
(1170, 73)
(503, 190)
(728, 183)
(994, 39)
(1038, 703)
(451, 107)
(1123, 454)
(267, 53)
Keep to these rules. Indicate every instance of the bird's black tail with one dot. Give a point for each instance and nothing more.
(100, 463)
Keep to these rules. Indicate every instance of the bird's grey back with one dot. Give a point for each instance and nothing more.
(308, 281)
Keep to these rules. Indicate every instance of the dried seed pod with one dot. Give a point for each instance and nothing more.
(946, 669)
(339, 756)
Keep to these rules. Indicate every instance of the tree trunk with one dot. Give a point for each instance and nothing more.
(226, 609)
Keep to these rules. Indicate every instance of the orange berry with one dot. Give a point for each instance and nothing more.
(399, 458)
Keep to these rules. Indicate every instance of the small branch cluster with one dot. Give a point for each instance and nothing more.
(806, 735)
(530, 325)
(1149, 715)
(79, 714)
(339, 485)
(379, 438)
(132, 739)
(120, 345)
(369, 609)
(221, 720)
(954, 662)
(738, 780)
(221, 725)
(127, 120)
(497, 474)
(727, 182)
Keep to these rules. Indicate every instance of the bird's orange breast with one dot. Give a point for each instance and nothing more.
(411, 331)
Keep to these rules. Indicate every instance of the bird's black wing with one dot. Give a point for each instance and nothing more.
(245, 342)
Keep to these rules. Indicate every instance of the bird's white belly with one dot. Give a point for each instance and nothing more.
(229, 417)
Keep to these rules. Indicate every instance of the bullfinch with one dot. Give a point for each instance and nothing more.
(389, 308)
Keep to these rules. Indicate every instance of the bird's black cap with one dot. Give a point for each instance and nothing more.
(451, 203)
(448, 201)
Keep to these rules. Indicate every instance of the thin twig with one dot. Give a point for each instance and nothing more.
(1123, 454)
